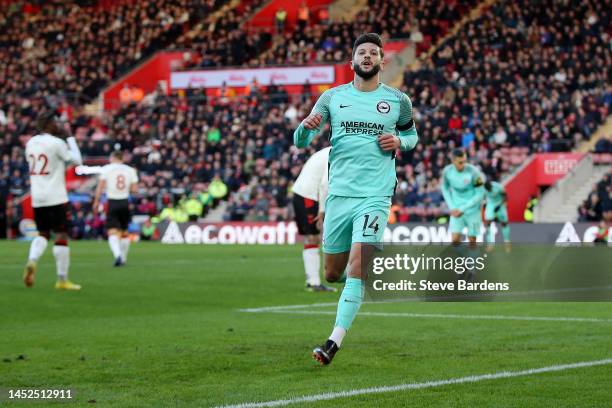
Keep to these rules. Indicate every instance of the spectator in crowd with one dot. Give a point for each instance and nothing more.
(598, 205)
(193, 207)
(603, 231)
(303, 15)
(530, 208)
(279, 20)
(147, 230)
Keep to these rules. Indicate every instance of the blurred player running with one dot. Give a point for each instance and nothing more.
(369, 122)
(496, 210)
(309, 194)
(462, 188)
(118, 180)
(47, 154)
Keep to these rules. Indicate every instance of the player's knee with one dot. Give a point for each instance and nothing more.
(333, 272)
(332, 275)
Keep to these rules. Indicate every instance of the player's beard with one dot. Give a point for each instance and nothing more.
(366, 74)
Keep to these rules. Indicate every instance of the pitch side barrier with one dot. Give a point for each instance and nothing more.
(273, 233)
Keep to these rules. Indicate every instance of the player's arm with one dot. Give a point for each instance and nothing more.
(309, 127)
(405, 125)
(69, 151)
(323, 187)
(446, 192)
(480, 193)
(134, 185)
(75, 152)
(407, 136)
(99, 189)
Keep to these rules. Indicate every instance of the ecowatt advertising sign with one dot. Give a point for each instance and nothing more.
(271, 233)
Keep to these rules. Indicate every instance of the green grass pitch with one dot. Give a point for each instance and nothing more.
(166, 331)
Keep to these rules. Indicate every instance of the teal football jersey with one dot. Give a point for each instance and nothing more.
(496, 196)
(358, 167)
(462, 190)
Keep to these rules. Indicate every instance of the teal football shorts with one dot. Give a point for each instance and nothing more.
(354, 219)
(471, 221)
(501, 215)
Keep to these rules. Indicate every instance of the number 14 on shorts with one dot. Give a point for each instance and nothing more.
(370, 228)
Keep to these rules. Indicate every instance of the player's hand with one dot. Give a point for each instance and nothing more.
(456, 213)
(319, 220)
(313, 121)
(388, 142)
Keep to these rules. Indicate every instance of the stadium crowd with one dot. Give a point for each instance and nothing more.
(227, 42)
(62, 47)
(233, 42)
(516, 76)
(61, 53)
(514, 81)
(327, 41)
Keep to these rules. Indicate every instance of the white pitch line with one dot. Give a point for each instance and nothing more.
(452, 316)
(287, 307)
(293, 309)
(415, 386)
(417, 299)
(309, 305)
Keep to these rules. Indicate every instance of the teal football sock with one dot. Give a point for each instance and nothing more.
(349, 303)
(506, 233)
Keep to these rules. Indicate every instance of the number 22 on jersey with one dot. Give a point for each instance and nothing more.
(38, 165)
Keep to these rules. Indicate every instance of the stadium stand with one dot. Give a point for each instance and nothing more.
(226, 42)
(65, 48)
(234, 43)
(61, 54)
(331, 41)
(513, 82)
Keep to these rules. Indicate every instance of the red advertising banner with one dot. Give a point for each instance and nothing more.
(553, 166)
(519, 188)
(543, 169)
(394, 47)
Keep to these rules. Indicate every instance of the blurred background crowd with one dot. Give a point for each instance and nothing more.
(523, 77)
